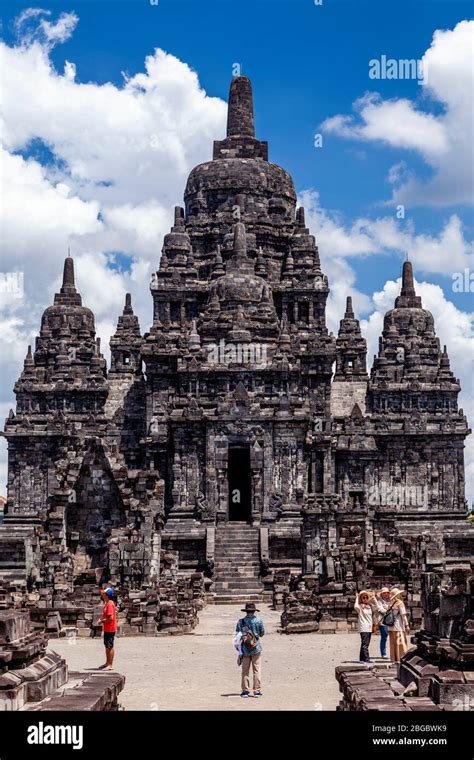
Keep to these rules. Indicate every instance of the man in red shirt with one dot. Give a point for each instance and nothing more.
(109, 624)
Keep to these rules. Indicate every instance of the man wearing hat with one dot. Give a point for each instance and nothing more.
(109, 625)
(251, 628)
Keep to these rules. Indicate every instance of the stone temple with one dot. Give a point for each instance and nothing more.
(237, 448)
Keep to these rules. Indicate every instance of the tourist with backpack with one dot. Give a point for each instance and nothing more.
(251, 629)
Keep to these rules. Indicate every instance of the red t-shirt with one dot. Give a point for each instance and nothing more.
(110, 626)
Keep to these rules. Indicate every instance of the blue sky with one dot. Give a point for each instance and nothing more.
(306, 63)
(309, 64)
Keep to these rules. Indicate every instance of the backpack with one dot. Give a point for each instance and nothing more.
(248, 637)
(389, 617)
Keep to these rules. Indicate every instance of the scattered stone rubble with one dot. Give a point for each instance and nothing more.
(33, 678)
(170, 605)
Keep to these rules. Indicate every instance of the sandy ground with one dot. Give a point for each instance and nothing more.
(199, 671)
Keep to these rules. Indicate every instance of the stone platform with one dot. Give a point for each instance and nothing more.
(84, 691)
(32, 678)
(377, 688)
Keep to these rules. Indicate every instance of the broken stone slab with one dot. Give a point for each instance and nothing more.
(380, 703)
(14, 625)
(14, 698)
(450, 687)
(84, 691)
(5, 657)
(304, 627)
(414, 668)
(21, 653)
(10, 680)
(53, 623)
(41, 687)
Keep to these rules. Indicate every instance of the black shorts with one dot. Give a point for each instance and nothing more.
(109, 640)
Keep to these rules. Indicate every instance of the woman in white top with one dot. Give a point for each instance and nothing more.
(365, 621)
(397, 632)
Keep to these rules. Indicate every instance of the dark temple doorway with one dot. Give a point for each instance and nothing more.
(240, 491)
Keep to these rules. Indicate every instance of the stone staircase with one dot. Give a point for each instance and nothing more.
(237, 564)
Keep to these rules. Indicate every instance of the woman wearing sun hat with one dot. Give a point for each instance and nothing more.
(397, 625)
(365, 620)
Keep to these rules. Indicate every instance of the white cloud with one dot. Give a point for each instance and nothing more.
(395, 122)
(445, 253)
(54, 214)
(443, 140)
(121, 155)
(112, 143)
(29, 27)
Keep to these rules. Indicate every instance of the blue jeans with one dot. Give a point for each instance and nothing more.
(383, 639)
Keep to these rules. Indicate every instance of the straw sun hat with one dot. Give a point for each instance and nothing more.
(395, 592)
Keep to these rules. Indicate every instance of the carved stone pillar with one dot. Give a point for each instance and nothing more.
(256, 468)
(221, 462)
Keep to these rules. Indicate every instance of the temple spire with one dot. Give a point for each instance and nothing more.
(408, 298)
(300, 217)
(351, 354)
(349, 310)
(68, 274)
(408, 285)
(128, 309)
(68, 294)
(218, 268)
(29, 361)
(240, 261)
(240, 112)
(240, 141)
(178, 217)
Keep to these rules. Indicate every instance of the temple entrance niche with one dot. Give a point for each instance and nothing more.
(240, 484)
(95, 509)
(316, 472)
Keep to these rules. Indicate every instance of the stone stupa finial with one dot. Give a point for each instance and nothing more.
(240, 141)
(240, 261)
(240, 240)
(408, 285)
(408, 297)
(349, 310)
(68, 274)
(300, 217)
(128, 309)
(240, 111)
